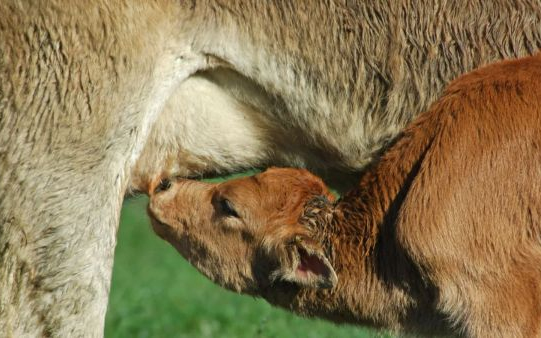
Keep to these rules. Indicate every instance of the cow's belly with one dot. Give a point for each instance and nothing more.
(221, 122)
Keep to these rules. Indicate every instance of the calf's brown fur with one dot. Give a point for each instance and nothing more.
(441, 236)
(99, 97)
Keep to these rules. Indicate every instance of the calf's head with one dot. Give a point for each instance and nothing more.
(244, 234)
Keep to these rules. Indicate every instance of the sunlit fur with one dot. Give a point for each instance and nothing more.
(322, 84)
(230, 84)
(441, 236)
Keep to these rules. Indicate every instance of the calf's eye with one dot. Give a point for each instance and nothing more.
(227, 208)
(164, 185)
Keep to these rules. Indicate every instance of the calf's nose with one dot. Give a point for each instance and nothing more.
(161, 194)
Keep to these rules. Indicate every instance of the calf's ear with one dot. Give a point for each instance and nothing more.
(306, 265)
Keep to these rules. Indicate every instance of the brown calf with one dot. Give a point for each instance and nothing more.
(442, 235)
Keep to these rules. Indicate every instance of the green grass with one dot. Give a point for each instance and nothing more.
(156, 293)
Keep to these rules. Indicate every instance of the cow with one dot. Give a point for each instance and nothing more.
(97, 98)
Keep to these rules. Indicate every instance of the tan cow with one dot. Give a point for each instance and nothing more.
(441, 236)
(98, 97)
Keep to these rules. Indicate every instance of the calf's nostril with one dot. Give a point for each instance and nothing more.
(164, 185)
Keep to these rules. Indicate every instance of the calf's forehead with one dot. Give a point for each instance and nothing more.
(262, 190)
(277, 189)
(245, 187)
(291, 181)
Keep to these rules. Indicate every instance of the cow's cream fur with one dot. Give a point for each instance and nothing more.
(329, 98)
(317, 84)
(79, 90)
